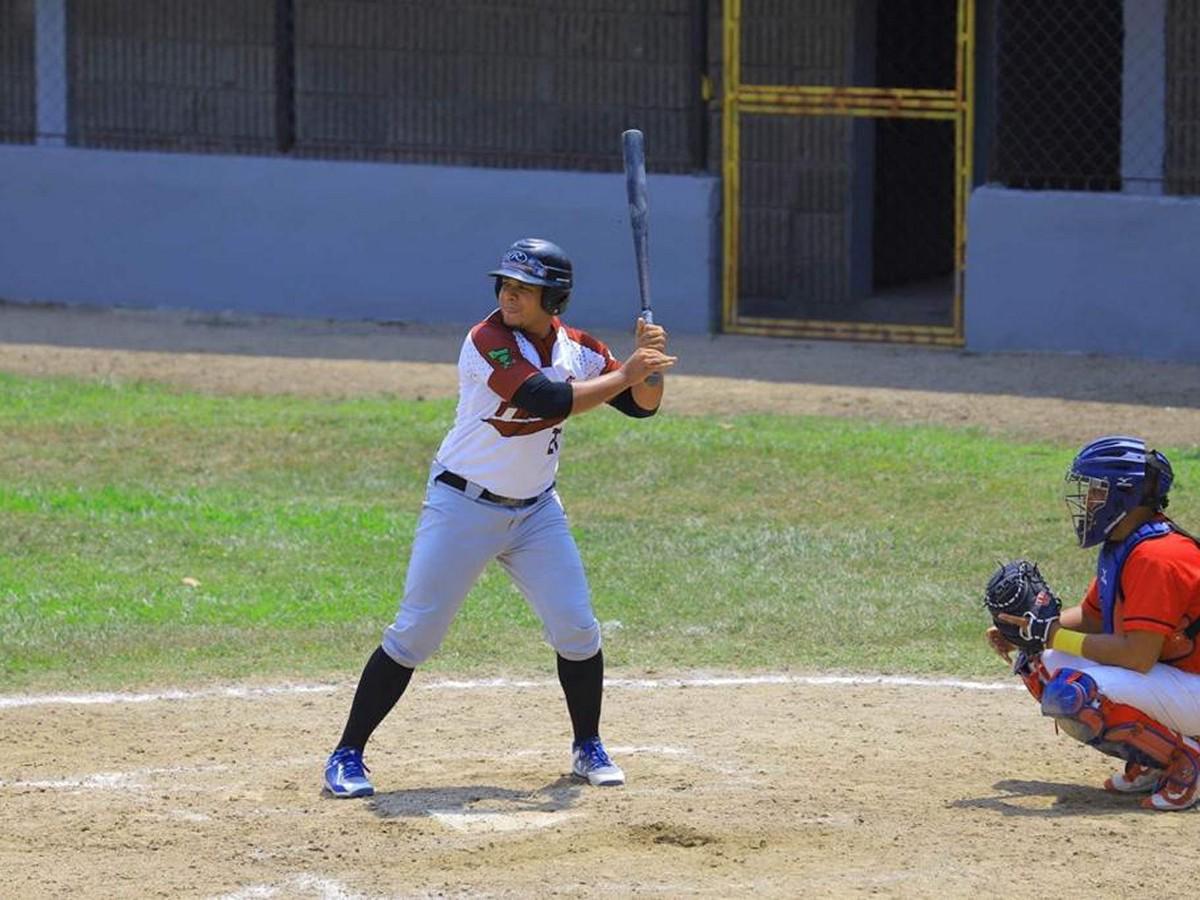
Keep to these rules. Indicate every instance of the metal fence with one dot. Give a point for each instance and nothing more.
(1182, 116)
(513, 83)
(1094, 95)
(1099, 95)
(846, 128)
(17, 81)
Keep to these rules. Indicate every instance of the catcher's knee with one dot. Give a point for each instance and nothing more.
(1068, 693)
(1074, 700)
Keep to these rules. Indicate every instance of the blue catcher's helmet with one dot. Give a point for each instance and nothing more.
(535, 261)
(1108, 479)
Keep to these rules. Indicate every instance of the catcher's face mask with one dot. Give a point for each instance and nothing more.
(1094, 512)
(1108, 479)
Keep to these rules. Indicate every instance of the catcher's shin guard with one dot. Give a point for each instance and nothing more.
(1074, 700)
(1032, 671)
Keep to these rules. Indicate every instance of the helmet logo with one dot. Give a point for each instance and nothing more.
(1124, 481)
(519, 259)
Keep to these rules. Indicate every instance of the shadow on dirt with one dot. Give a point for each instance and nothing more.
(476, 800)
(1048, 799)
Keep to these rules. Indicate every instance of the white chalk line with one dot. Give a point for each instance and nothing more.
(244, 693)
(103, 699)
(110, 781)
(732, 681)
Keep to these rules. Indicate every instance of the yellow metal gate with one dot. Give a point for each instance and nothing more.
(846, 219)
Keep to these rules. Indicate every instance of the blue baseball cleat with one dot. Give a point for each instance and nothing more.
(590, 761)
(345, 774)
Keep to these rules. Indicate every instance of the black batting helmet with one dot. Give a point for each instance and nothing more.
(535, 261)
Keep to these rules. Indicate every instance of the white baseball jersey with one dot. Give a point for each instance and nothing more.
(493, 443)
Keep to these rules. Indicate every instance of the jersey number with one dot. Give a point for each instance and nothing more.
(553, 447)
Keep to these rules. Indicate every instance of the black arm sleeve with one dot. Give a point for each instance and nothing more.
(544, 398)
(625, 403)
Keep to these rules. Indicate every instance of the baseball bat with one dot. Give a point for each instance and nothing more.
(633, 144)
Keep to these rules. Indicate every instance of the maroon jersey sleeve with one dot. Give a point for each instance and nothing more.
(509, 369)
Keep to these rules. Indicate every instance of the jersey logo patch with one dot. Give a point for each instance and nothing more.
(501, 356)
(511, 421)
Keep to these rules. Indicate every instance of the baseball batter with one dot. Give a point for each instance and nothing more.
(522, 373)
(1121, 670)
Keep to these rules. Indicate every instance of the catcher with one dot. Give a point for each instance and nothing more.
(1120, 671)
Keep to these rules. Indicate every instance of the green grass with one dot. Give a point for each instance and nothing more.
(747, 542)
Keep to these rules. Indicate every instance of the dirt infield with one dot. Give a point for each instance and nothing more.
(769, 790)
(781, 786)
(1040, 396)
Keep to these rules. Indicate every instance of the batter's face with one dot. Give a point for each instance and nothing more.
(521, 306)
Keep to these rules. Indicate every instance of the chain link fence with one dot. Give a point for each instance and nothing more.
(1098, 95)
(512, 83)
(17, 81)
(172, 75)
(1094, 95)
(1182, 161)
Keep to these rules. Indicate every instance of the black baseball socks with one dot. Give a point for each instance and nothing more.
(382, 684)
(583, 684)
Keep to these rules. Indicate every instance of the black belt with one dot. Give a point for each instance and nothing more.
(460, 484)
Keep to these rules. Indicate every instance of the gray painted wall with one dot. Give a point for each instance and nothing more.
(1046, 271)
(338, 239)
(1093, 273)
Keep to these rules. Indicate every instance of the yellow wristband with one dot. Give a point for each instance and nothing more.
(1068, 641)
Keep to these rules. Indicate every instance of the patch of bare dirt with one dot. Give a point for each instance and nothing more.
(1035, 396)
(771, 790)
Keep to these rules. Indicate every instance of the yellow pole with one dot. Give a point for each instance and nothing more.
(731, 152)
(964, 131)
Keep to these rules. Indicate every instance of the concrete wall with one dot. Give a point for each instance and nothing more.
(1091, 273)
(1046, 271)
(338, 239)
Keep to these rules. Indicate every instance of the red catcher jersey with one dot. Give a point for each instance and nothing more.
(508, 450)
(1160, 591)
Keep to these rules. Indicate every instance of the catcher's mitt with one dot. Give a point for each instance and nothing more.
(1018, 589)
